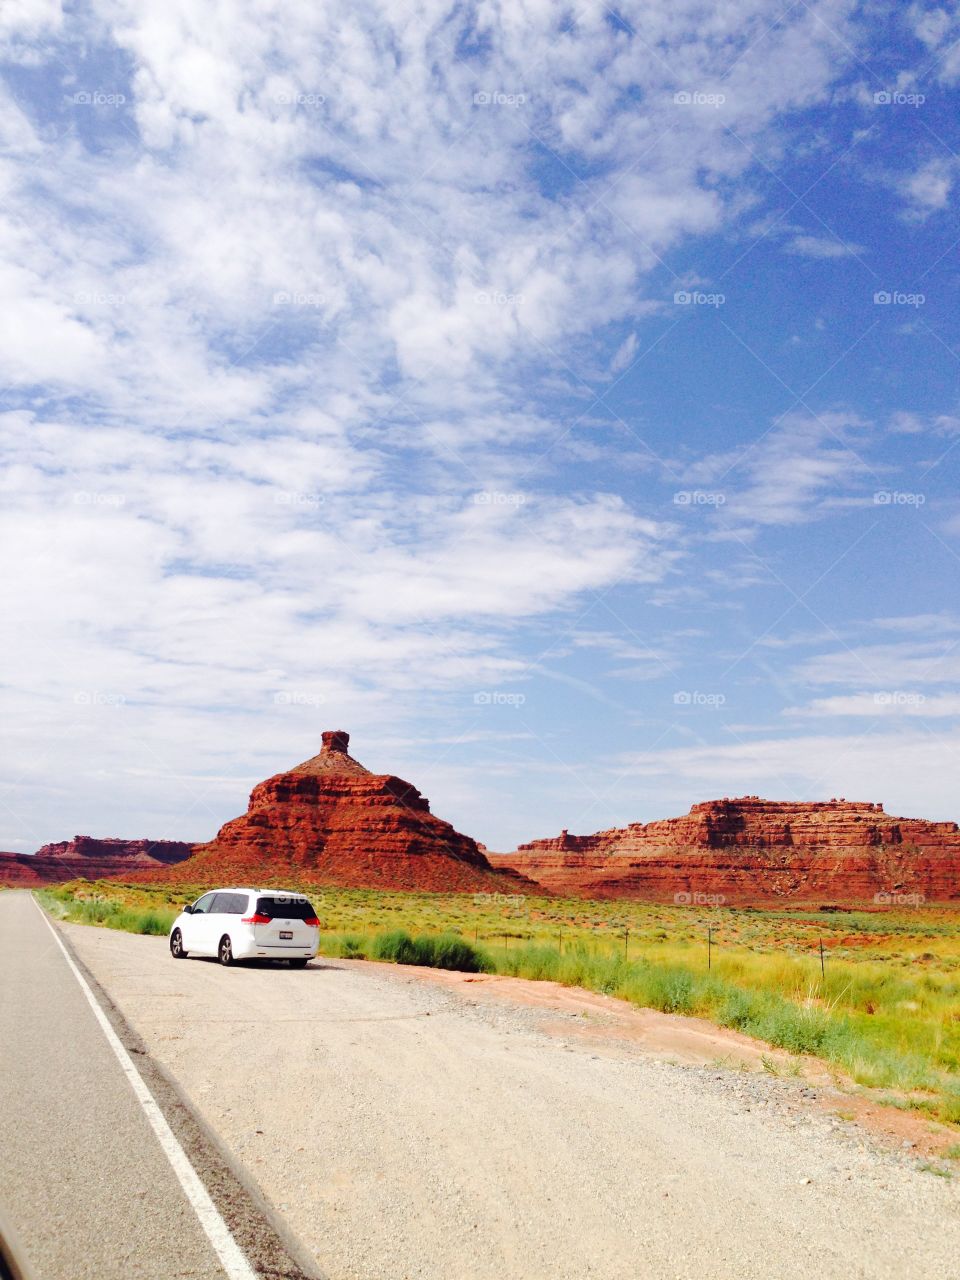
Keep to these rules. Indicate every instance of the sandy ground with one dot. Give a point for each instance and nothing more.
(413, 1124)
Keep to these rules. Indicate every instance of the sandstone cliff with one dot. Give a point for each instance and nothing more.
(331, 820)
(751, 850)
(90, 858)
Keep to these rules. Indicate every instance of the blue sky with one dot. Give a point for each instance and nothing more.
(564, 402)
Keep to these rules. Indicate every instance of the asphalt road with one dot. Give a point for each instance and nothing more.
(84, 1178)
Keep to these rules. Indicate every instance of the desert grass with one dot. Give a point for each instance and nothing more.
(884, 1009)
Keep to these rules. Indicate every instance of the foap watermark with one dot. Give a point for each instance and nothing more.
(298, 698)
(694, 898)
(496, 298)
(499, 899)
(896, 898)
(297, 298)
(498, 498)
(698, 498)
(694, 698)
(899, 698)
(98, 698)
(498, 698)
(497, 98)
(94, 298)
(897, 498)
(896, 98)
(698, 98)
(299, 98)
(289, 498)
(84, 498)
(898, 298)
(697, 298)
(98, 98)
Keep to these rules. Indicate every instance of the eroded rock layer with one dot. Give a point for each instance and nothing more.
(91, 859)
(750, 850)
(331, 820)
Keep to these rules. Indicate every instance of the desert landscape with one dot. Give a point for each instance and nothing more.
(826, 930)
(481, 665)
(330, 821)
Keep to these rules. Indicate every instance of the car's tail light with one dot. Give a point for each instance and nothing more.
(313, 922)
(256, 919)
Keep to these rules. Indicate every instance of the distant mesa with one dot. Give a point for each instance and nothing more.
(90, 858)
(749, 850)
(332, 821)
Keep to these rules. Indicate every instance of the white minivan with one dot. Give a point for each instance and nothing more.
(248, 924)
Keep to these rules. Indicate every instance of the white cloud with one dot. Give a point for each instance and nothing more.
(625, 354)
(902, 771)
(920, 661)
(823, 247)
(797, 471)
(883, 703)
(928, 189)
(939, 29)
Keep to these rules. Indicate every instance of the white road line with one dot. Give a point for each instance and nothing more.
(226, 1248)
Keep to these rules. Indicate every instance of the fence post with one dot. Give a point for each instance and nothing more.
(709, 947)
(626, 940)
(561, 939)
(823, 970)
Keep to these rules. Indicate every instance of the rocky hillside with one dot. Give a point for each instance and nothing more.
(331, 820)
(751, 850)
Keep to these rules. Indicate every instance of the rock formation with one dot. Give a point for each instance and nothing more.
(92, 859)
(753, 851)
(332, 821)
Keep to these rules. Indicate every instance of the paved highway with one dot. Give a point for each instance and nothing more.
(92, 1177)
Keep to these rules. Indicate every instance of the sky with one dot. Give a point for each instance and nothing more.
(560, 399)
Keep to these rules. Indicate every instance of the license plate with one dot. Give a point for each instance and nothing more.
(286, 933)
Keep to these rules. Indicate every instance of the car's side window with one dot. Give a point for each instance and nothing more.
(232, 904)
(204, 905)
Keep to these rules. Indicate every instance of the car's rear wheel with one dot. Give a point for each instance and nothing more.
(297, 964)
(225, 951)
(176, 945)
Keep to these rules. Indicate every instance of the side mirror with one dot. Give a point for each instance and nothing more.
(188, 909)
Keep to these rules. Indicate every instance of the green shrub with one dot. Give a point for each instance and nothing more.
(396, 946)
(352, 947)
(156, 922)
(451, 952)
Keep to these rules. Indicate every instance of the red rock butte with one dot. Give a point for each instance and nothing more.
(750, 850)
(331, 821)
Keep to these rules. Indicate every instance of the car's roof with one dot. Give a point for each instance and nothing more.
(240, 888)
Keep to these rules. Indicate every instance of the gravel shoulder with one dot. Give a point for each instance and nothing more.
(413, 1125)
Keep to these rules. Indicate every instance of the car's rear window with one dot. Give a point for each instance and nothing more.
(279, 908)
